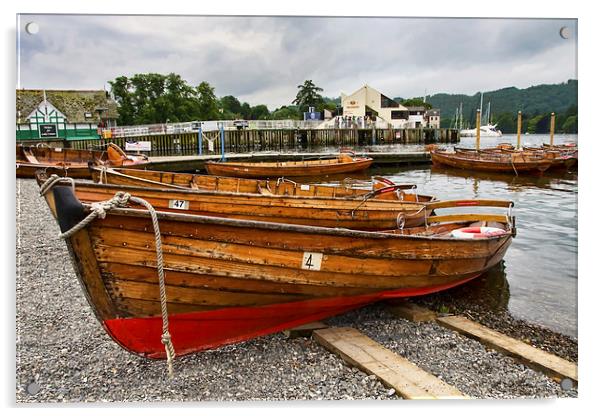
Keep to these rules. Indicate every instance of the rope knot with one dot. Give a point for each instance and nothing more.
(166, 338)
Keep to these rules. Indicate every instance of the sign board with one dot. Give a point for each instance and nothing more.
(138, 146)
(315, 115)
(48, 130)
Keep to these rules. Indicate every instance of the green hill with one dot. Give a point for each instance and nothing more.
(539, 99)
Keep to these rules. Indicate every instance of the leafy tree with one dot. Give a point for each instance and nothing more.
(260, 112)
(416, 102)
(286, 113)
(308, 96)
(120, 87)
(154, 98)
(207, 102)
(570, 125)
(231, 105)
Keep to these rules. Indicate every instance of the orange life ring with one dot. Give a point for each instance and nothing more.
(477, 232)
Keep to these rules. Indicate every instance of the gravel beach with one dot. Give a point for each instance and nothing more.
(64, 355)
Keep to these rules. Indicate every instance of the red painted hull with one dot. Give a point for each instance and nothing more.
(197, 331)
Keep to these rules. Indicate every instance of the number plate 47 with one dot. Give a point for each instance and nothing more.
(311, 261)
(178, 204)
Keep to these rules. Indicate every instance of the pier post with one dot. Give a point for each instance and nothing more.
(519, 123)
(200, 139)
(552, 123)
(478, 130)
(222, 139)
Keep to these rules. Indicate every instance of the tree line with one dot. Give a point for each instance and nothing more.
(156, 98)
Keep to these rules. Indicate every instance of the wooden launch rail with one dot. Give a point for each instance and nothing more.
(555, 367)
(408, 380)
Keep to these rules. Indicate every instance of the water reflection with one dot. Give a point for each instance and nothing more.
(540, 269)
(491, 290)
(548, 180)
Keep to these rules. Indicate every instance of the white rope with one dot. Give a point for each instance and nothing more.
(100, 209)
(165, 336)
(53, 180)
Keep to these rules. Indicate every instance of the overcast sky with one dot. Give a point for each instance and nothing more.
(261, 60)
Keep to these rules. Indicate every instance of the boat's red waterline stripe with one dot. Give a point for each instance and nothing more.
(205, 330)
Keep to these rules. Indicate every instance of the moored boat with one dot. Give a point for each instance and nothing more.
(344, 163)
(70, 162)
(228, 280)
(561, 157)
(382, 188)
(281, 202)
(498, 161)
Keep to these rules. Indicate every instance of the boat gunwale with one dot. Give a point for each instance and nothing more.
(176, 188)
(294, 163)
(461, 155)
(297, 228)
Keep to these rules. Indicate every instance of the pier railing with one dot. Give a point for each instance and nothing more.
(258, 140)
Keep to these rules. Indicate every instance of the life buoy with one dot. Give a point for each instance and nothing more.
(477, 232)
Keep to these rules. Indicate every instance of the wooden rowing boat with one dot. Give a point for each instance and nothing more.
(563, 157)
(282, 186)
(70, 162)
(320, 167)
(273, 201)
(560, 157)
(498, 161)
(229, 280)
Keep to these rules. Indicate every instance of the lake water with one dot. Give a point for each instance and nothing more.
(540, 268)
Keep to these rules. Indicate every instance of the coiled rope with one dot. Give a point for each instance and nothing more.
(100, 209)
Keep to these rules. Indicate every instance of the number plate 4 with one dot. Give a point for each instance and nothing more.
(311, 261)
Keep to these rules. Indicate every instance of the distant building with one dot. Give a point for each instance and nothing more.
(368, 102)
(43, 114)
(416, 116)
(71, 106)
(432, 118)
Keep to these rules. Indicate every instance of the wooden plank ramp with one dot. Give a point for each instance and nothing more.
(304, 331)
(408, 380)
(555, 367)
(410, 311)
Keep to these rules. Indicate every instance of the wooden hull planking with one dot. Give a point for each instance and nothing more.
(372, 214)
(230, 280)
(288, 169)
(382, 188)
(70, 162)
(475, 161)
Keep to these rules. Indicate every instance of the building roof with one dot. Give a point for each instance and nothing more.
(367, 87)
(72, 103)
(432, 112)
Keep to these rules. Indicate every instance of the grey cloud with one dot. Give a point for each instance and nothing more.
(263, 59)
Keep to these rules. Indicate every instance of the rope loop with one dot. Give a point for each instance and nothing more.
(99, 210)
(53, 180)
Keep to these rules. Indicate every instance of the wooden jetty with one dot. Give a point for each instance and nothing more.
(281, 140)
